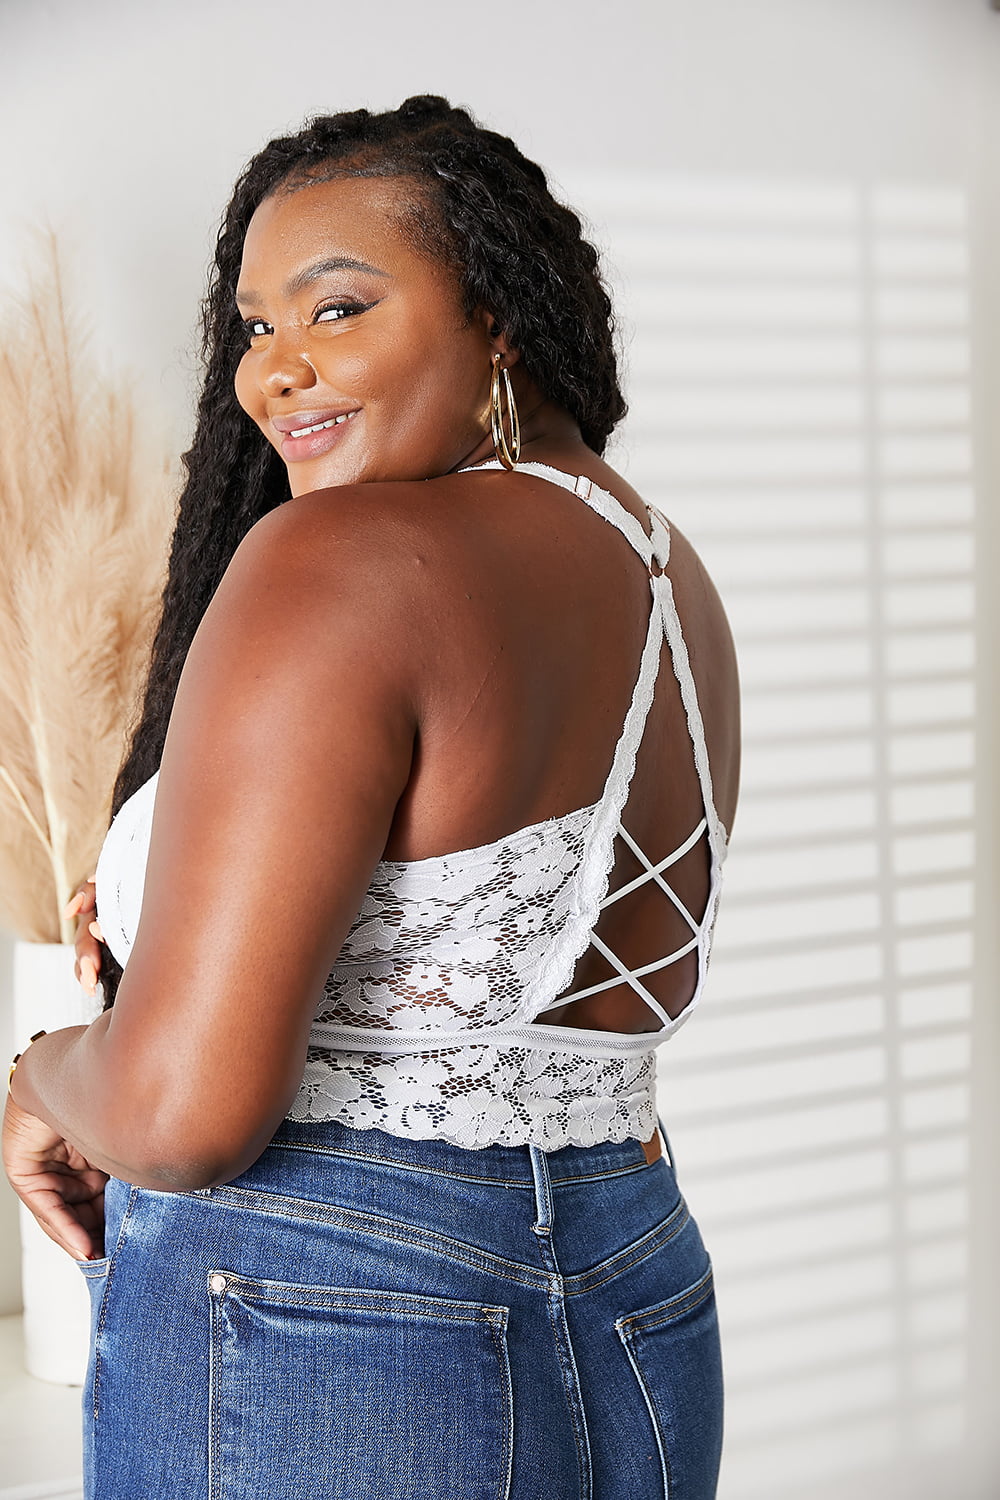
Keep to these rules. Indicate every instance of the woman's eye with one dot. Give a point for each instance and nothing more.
(256, 328)
(332, 310)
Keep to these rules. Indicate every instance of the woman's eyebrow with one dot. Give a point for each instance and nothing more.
(304, 278)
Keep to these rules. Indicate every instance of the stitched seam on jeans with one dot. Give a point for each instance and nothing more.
(103, 1314)
(620, 1264)
(555, 1302)
(498, 1333)
(214, 1478)
(685, 1303)
(353, 1219)
(347, 1299)
(94, 1270)
(392, 1161)
(557, 1181)
(632, 1255)
(571, 1386)
(375, 1224)
(661, 1446)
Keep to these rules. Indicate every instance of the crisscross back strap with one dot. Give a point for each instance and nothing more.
(651, 548)
(654, 549)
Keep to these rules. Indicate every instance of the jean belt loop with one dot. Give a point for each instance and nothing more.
(543, 1191)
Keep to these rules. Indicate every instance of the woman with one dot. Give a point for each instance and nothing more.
(386, 1212)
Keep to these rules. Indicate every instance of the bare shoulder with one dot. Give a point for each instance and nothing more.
(688, 571)
(369, 567)
(346, 526)
(367, 532)
(354, 549)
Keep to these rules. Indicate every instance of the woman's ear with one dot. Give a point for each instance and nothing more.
(498, 341)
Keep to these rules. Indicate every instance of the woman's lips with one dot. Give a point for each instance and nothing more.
(312, 435)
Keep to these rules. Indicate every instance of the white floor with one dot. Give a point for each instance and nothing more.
(39, 1429)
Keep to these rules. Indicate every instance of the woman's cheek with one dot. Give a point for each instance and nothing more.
(349, 376)
(246, 387)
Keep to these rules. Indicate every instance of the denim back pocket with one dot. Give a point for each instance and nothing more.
(95, 1274)
(345, 1393)
(674, 1351)
(94, 1270)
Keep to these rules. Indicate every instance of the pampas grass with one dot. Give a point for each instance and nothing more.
(85, 516)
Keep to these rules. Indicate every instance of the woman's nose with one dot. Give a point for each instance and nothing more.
(284, 369)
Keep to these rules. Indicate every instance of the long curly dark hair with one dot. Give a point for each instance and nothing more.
(480, 206)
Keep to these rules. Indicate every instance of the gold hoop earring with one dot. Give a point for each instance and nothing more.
(501, 391)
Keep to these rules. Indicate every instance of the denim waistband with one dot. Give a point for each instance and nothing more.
(511, 1165)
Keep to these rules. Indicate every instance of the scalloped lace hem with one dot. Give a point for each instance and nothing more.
(537, 1109)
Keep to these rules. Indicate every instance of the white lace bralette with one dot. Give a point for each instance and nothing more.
(428, 1024)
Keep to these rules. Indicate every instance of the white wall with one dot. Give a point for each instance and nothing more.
(799, 200)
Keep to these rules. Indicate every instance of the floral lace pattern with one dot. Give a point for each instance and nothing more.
(482, 1096)
(467, 934)
(487, 940)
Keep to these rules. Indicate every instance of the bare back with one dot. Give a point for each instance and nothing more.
(540, 610)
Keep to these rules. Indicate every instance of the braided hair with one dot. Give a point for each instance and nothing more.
(482, 208)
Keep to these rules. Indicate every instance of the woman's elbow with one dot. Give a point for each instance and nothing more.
(189, 1154)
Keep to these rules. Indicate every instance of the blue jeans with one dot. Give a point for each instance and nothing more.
(363, 1317)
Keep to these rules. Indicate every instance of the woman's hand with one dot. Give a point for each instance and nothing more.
(58, 1185)
(88, 935)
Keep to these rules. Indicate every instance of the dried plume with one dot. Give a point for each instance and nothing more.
(86, 508)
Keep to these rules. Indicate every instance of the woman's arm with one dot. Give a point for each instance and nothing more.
(290, 742)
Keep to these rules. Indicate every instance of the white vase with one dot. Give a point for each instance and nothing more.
(56, 1305)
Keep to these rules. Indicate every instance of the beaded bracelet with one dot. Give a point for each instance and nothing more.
(17, 1058)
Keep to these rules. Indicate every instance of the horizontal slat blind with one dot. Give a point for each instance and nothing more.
(799, 386)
